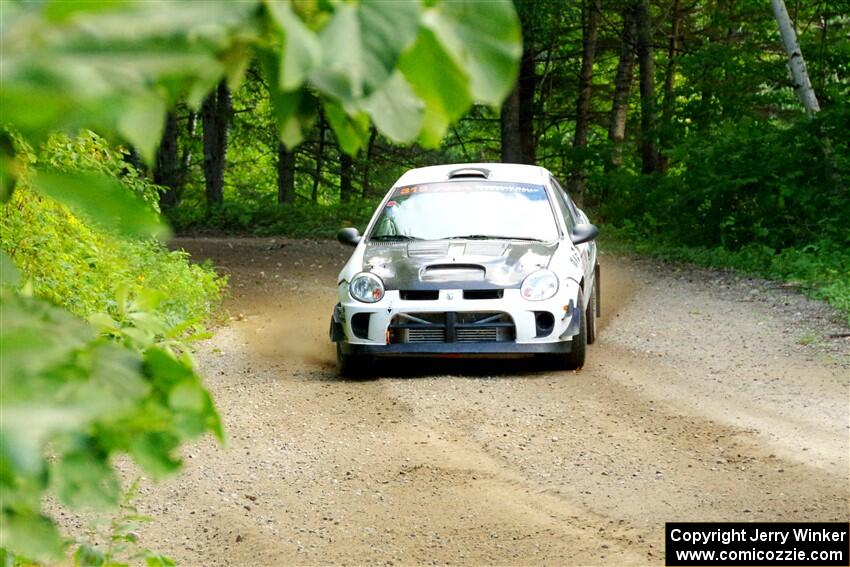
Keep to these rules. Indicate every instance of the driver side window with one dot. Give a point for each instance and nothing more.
(563, 205)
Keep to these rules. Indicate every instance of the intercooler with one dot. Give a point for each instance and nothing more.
(451, 327)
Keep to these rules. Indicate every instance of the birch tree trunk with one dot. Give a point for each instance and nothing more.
(796, 62)
(622, 87)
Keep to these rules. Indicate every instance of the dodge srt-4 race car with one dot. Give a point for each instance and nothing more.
(472, 260)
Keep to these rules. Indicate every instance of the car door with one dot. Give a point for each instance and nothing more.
(573, 216)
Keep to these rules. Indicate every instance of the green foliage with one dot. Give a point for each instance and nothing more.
(84, 68)
(747, 183)
(87, 397)
(822, 269)
(81, 266)
(753, 195)
(122, 384)
(295, 220)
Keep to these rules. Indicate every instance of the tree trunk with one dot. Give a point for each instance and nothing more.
(167, 167)
(367, 165)
(320, 156)
(509, 122)
(795, 58)
(622, 88)
(649, 151)
(517, 116)
(345, 166)
(526, 85)
(669, 77)
(215, 115)
(590, 21)
(285, 174)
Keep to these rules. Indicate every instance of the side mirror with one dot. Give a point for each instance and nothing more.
(349, 236)
(584, 232)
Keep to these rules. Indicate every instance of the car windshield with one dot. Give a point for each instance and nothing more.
(467, 209)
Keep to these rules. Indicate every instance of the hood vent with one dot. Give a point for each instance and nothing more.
(428, 249)
(454, 273)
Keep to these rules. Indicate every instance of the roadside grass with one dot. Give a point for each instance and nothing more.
(821, 270)
(808, 338)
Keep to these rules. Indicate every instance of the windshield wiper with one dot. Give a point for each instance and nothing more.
(393, 237)
(493, 237)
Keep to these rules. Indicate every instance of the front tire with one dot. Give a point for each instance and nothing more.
(353, 365)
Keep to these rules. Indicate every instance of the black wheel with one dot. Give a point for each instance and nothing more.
(574, 359)
(591, 315)
(353, 365)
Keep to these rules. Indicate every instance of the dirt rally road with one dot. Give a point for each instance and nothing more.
(698, 402)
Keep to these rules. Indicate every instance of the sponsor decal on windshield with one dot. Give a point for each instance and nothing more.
(533, 191)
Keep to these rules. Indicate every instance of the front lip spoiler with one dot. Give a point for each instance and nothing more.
(426, 349)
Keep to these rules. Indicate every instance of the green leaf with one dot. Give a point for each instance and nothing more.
(235, 62)
(61, 10)
(9, 274)
(361, 46)
(157, 560)
(484, 39)
(103, 322)
(396, 109)
(293, 111)
(301, 51)
(164, 370)
(101, 199)
(142, 122)
(187, 396)
(9, 166)
(153, 453)
(35, 336)
(439, 82)
(84, 479)
(352, 132)
(87, 556)
(30, 535)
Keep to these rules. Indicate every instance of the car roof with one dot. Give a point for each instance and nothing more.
(517, 173)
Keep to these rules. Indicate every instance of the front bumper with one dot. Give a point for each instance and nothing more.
(463, 349)
(375, 338)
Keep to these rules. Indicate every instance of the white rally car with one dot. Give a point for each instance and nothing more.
(470, 260)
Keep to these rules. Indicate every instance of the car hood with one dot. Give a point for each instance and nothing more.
(456, 264)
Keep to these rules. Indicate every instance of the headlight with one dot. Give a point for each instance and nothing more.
(366, 287)
(540, 285)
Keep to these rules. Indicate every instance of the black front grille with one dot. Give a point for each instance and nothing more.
(451, 327)
(483, 293)
(419, 295)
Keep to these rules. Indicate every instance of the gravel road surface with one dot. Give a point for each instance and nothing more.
(708, 397)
